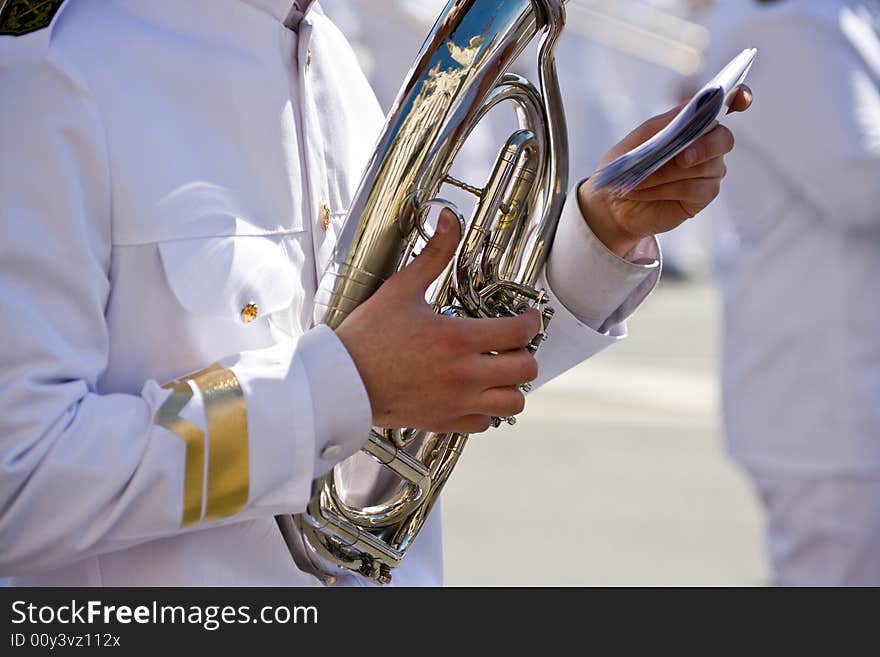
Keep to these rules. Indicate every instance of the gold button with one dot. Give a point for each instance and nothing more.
(325, 216)
(249, 313)
(308, 59)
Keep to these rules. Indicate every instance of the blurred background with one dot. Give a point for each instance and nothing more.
(616, 474)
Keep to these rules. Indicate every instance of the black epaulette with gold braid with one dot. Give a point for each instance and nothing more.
(18, 17)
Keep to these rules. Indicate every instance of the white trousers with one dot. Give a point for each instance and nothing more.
(822, 530)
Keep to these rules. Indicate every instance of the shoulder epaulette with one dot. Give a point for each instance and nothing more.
(18, 17)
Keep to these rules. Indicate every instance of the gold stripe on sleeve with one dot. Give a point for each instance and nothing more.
(168, 416)
(228, 452)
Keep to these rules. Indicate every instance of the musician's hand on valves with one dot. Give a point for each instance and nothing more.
(673, 194)
(434, 372)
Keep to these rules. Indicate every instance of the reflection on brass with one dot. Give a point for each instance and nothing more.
(249, 313)
(461, 74)
(465, 57)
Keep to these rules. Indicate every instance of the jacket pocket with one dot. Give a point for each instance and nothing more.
(238, 279)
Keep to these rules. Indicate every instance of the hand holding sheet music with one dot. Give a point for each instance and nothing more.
(698, 116)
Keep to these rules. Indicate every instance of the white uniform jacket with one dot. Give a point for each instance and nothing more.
(172, 178)
(800, 261)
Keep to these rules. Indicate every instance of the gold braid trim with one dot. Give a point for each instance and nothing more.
(228, 472)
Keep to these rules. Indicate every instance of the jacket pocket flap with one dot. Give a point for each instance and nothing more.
(239, 278)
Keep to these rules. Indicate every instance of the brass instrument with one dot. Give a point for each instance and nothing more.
(459, 75)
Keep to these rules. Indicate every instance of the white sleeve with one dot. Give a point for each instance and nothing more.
(598, 286)
(83, 473)
(592, 290)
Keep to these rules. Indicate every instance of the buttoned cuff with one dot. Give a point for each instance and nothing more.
(597, 286)
(340, 406)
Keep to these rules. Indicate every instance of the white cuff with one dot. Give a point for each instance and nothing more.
(340, 406)
(594, 284)
(569, 341)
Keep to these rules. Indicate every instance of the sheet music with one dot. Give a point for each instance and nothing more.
(631, 169)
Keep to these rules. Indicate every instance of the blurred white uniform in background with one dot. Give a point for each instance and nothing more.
(802, 391)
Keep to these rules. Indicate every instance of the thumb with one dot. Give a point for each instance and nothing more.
(742, 100)
(436, 254)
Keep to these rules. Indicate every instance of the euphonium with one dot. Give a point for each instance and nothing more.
(459, 75)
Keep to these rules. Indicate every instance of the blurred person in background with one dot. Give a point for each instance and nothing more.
(798, 265)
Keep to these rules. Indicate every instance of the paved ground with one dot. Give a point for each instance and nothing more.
(615, 474)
